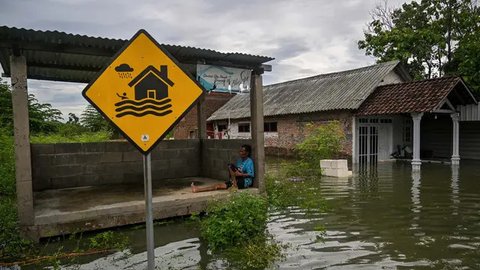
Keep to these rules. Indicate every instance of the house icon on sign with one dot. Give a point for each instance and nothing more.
(151, 83)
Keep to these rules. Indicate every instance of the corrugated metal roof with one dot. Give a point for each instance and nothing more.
(344, 90)
(415, 97)
(53, 55)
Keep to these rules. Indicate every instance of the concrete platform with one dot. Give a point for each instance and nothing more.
(64, 211)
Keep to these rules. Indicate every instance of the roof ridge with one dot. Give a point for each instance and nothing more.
(339, 73)
(448, 77)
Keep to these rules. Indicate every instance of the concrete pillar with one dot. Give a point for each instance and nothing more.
(416, 162)
(256, 109)
(23, 164)
(456, 139)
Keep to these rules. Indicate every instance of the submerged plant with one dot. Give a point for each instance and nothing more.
(236, 229)
(323, 142)
(233, 222)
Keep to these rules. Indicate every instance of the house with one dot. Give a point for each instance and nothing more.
(187, 128)
(378, 106)
(423, 113)
(291, 105)
(151, 83)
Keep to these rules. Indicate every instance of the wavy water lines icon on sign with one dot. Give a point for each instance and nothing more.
(139, 108)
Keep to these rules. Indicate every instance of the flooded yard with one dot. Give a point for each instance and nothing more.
(383, 218)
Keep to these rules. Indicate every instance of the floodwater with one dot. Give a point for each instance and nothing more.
(384, 218)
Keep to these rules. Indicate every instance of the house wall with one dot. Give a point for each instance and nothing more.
(391, 77)
(470, 140)
(188, 125)
(292, 129)
(437, 139)
(436, 136)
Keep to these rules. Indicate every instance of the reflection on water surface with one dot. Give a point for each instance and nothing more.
(383, 218)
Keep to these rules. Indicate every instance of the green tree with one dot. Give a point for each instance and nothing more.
(43, 117)
(93, 120)
(73, 119)
(425, 36)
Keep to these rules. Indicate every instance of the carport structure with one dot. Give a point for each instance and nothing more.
(47, 175)
(428, 110)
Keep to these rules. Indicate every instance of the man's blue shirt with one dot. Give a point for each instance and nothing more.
(246, 166)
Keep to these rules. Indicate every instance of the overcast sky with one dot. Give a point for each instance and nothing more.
(306, 37)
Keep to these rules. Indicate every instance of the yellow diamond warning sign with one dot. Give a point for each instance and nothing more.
(143, 92)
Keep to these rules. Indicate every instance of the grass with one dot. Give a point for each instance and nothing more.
(16, 250)
(99, 136)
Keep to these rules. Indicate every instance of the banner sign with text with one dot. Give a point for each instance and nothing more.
(224, 79)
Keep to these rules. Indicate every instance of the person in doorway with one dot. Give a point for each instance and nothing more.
(241, 173)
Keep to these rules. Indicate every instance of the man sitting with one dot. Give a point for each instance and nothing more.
(241, 173)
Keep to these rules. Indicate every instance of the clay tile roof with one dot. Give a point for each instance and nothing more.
(418, 96)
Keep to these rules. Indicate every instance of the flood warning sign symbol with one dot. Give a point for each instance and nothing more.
(150, 93)
(143, 91)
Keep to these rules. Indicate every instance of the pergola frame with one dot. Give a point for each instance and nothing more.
(51, 55)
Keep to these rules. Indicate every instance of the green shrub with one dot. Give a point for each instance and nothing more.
(108, 240)
(11, 244)
(99, 136)
(236, 229)
(234, 222)
(7, 164)
(257, 253)
(324, 142)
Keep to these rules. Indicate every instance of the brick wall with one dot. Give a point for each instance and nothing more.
(213, 101)
(84, 164)
(292, 129)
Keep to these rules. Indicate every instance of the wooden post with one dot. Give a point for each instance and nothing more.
(201, 119)
(23, 164)
(202, 133)
(256, 109)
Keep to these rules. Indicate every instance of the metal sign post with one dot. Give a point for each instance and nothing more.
(147, 176)
(144, 92)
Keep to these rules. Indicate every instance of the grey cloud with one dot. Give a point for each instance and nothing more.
(306, 37)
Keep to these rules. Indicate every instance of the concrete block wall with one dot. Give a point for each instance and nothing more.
(216, 154)
(68, 165)
(335, 167)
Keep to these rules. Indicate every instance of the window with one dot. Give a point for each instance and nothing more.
(386, 121)
(270, 126)
(243, 127)
(363, 120)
